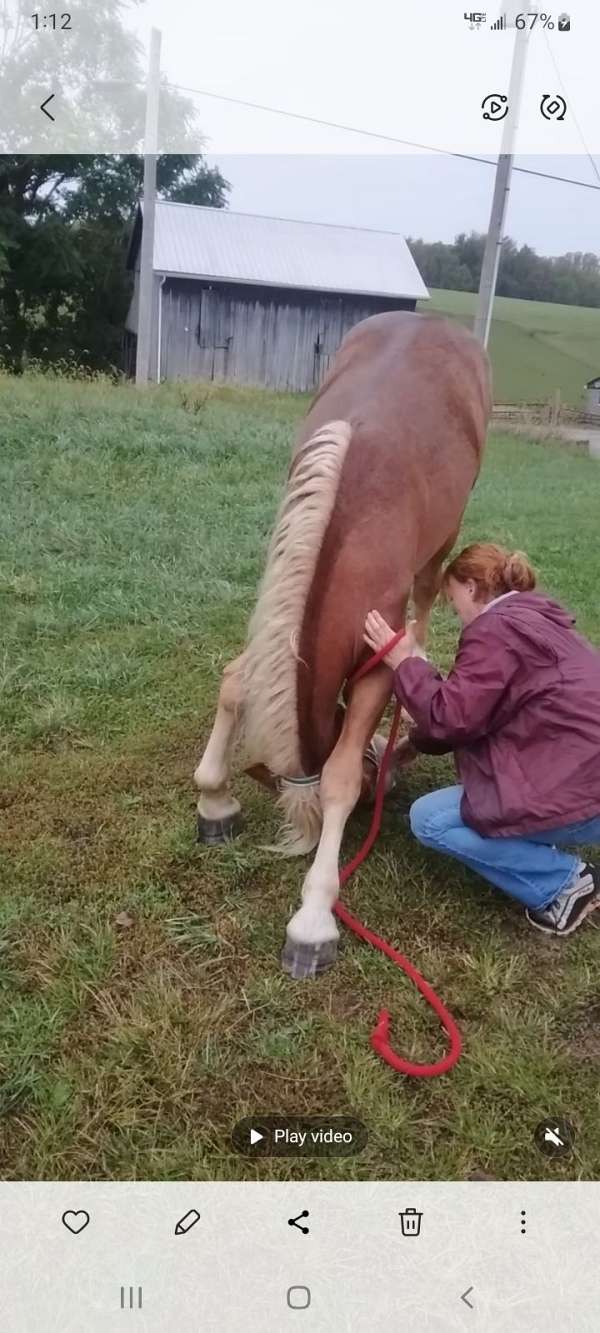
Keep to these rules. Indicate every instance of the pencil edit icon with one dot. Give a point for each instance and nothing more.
(186, 1222)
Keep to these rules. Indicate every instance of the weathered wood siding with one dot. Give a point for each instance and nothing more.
(256, 335)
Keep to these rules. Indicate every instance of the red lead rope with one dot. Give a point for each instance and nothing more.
(379, 1036)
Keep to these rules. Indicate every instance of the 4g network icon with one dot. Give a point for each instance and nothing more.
(477, 18)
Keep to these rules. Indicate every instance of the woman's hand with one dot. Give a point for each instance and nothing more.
(378, 633)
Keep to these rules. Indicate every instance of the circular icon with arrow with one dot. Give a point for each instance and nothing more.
(494, 106)
(553, 106)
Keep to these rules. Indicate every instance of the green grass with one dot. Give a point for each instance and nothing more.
(143, 1010)
(535, 347)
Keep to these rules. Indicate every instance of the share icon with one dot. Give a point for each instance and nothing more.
(295, 1222)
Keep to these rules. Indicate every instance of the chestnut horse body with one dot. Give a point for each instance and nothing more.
(380, 476)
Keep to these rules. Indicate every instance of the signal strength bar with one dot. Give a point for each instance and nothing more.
(499, 24)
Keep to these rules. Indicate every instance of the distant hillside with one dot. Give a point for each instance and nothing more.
(570, 279)
(535, 347)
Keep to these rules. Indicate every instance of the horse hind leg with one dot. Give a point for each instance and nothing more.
(426, 587)
(219, 813)
(402, 755)
(312, 934)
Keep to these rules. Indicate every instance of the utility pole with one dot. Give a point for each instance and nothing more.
(146, 280)
(493, 245)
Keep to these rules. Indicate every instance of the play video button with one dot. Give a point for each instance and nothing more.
(299, 1136)
(495, 106)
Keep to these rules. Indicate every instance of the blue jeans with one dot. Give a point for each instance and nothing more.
(532, 868)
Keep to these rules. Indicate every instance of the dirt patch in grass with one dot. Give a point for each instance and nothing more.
(583, 1037)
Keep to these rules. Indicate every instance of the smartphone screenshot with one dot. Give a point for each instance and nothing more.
(300, 667)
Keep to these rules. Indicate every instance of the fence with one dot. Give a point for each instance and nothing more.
(552, 413)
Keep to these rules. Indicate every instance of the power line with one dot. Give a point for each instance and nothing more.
(328, 124)
(571, 107)
(374, 134)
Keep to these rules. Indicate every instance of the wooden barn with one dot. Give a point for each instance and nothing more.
(262, 301)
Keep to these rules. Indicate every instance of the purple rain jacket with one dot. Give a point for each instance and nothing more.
(521, 711)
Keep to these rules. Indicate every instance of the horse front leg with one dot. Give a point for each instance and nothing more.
(218, 811)
(312, 934)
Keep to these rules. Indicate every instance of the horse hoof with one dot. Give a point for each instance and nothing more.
(214, 832)
(307, 960)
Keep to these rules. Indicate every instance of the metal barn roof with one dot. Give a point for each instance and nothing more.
(197, 242)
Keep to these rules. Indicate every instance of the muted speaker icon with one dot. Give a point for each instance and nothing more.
(554, 1137)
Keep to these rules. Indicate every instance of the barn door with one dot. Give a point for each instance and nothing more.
(328, 337)
(322, 357)
(214, 332)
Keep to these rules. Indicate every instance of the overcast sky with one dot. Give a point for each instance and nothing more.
(350, 80)
(429, 196)
(414, 70)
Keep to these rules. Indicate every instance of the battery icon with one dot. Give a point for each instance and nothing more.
(564, 23)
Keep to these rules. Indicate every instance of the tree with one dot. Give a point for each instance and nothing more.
(64, 289)
(440, 265)
(469, 250)
(573, 279)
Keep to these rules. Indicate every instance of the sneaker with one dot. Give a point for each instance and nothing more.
(566, 913)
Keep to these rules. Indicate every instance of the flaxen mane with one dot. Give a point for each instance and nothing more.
(270, 726)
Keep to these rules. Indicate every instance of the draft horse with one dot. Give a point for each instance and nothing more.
(379, 479)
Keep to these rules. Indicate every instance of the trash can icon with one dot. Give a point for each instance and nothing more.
(410, 1221)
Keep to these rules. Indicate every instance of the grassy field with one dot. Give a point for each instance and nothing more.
(536, 348)
(143, 1010)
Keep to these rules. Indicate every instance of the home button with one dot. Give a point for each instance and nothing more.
(298, 1298)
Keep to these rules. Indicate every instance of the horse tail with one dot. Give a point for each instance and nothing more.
(270, 726)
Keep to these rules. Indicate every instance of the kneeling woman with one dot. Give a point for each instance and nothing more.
(521, 711)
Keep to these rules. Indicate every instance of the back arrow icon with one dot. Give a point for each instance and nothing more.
(465, 1295)
(44, 105)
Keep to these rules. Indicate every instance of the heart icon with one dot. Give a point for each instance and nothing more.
(75, 1222)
